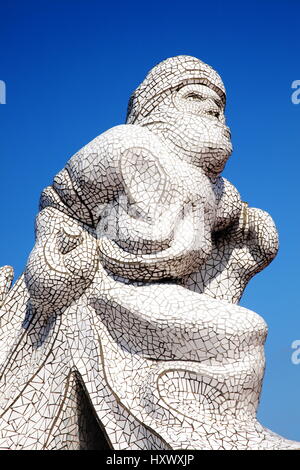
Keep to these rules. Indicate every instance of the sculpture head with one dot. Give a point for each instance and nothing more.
(183, 100)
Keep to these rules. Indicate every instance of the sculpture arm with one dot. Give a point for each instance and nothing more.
(238, 253)
(229, 204)
(161, 233)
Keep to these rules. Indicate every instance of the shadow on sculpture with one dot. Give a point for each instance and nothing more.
(124, 331)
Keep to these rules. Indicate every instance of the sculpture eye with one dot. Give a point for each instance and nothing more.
(194, 97)
(218, 103)
(214, 113)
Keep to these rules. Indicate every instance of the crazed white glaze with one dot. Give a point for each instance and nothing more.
(124, 330)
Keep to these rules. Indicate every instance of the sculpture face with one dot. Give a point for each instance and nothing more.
(193, 129)
(199, 100)
(189, 116)
(141, 333)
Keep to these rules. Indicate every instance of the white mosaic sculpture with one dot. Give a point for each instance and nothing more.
(124, 331)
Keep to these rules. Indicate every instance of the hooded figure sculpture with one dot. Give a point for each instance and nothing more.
(124, 331)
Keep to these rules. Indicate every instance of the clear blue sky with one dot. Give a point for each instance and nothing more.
(70, 66)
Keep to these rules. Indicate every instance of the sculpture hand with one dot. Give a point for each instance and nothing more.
(62, 263)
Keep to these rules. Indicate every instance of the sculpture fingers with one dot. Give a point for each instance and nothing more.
(238, 254)
(62, 263)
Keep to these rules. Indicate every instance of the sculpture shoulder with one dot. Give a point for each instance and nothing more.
(101, 169)
(120, 138)
(101, 157)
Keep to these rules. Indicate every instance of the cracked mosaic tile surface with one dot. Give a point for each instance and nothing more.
(125, 331)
